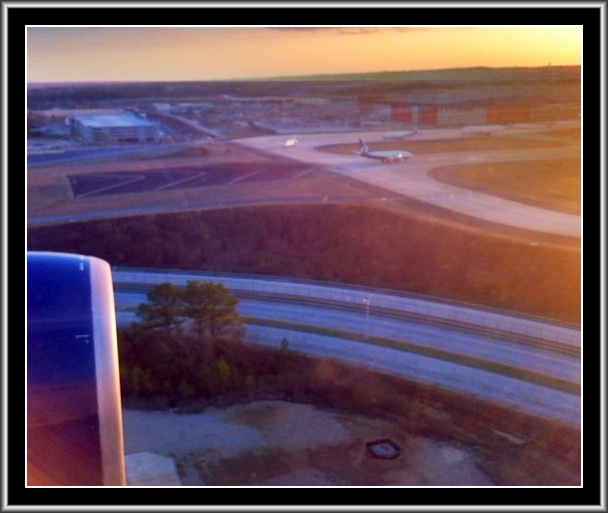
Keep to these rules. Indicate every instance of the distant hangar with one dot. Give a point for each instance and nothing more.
(115, 127)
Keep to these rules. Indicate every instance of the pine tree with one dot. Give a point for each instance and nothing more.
(211, 307)
(163, 309)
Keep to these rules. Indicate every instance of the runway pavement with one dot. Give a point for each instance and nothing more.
(411, 179)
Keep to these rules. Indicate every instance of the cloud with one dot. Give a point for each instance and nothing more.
(301, 28)
(352, 30)
(339, 30)
(371, 30)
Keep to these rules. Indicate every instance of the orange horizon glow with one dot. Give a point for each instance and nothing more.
(82, 54)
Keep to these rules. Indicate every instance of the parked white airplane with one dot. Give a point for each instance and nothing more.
(402, 134)
(291, 142)
(388, 156)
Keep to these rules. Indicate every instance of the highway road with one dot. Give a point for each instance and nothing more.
(515, 393)
(412, 335)
(410, 305)
(85, 154)
(485, 364)
(411, 179)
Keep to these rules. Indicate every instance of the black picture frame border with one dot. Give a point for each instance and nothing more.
(591, 496)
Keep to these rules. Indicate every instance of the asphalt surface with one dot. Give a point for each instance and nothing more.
(96, 154)
(99, 184)
(411, 179)
(421, 350)
(566, 337)
(518, 394)
(484, 348)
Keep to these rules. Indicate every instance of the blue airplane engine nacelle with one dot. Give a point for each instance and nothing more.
(74, 415)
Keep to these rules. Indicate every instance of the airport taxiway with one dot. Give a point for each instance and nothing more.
(411, 178)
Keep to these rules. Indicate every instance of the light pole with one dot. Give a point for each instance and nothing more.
(367, 301)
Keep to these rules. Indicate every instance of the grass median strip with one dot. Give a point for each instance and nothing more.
(486, 365)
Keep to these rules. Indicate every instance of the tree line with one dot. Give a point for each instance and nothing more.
(351, 244)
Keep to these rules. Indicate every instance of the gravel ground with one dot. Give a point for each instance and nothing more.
(278, 443)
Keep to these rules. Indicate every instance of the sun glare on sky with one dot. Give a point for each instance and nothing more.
(74, 54)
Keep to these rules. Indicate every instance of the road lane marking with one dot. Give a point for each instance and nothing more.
(138, 178)
(244, 177)
(183, 180)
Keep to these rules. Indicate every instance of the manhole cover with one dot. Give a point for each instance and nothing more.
(384, 449)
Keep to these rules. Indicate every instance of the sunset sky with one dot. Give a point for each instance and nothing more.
(74, 54)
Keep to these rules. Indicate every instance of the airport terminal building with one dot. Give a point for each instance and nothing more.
(119, 127)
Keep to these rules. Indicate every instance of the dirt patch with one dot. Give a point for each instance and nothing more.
(279, 443)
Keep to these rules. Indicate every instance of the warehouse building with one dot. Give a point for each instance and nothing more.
(121, 127)
(463, 114)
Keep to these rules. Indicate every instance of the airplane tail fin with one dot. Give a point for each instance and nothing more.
(363, 148)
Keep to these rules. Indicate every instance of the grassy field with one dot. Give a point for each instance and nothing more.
(554, 184)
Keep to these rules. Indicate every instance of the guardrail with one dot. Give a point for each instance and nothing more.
(368, 299)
